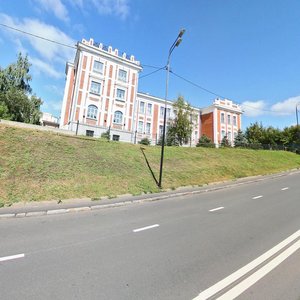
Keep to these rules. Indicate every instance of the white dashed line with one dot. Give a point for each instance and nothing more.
(257, 197)
(218, 208)
(284, 189)
(145, 228)
(5, 258)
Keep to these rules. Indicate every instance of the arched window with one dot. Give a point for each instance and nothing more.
(92, 112)
(118, 117)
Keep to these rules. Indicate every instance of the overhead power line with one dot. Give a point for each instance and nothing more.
(164, 67)
(38, 36)
(215, 94)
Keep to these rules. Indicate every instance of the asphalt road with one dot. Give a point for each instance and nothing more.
(239, 242)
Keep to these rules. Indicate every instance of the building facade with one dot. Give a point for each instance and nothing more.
(101, 94)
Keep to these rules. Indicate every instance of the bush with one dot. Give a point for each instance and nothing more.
(105, 135)
(205, 141)
(144, 141)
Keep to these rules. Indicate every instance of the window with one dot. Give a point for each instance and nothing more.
(234, 120)
(92, 112)
(161, 129)
(229, 136)
(98, 67)
(118, 117)
(235, 134)
(95, 87)
(122, 75)
(196, 135)
(168, 112)
(149, 109)
(222, 118)
(115, 137)
(141, 127)
(142, 107)
(148, 128)
(222, 134)
(162, 111)
(89, 133)
(228, 119)
(120, 94)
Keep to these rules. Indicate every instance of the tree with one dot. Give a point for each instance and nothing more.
(180, 129)
(16, 100)
(240, 140)
(225, 142)
(205, 141)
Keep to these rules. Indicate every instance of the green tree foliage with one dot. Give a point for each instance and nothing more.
(144, 141)
(240, 140)
(17, 103)
(180, 129)
(225, 142)
(205, 141)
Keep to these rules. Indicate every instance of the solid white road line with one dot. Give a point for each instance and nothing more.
(244, 270)
(218, 208)
(145, 228)
(257, 197)
(12, 257)
(284, 189)
(244, 285)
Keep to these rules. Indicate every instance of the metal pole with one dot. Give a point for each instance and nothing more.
(77, 127)
(164, 126)
(175, 44)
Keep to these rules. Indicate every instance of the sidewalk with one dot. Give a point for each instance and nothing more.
(31, 209)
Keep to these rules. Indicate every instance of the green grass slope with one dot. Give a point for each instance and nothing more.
(36, 165)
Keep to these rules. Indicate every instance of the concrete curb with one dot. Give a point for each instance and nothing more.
(204, 189)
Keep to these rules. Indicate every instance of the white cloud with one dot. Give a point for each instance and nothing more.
(118, 8)
(254, 108)
(286, 107)
(46, 49)
(55, 6)
(41, 66)
(49, 56)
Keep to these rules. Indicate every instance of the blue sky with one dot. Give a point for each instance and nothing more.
(245, 50)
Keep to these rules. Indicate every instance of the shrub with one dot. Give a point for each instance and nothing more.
(144, 141)
(205, 141)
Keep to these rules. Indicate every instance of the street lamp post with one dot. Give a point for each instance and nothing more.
(297, 113)
(175, 44)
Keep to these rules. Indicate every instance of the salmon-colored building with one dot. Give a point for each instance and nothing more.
(101, 94)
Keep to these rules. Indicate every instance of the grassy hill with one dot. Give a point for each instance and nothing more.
(36, 165)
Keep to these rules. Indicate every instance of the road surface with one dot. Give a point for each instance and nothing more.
(240, 242)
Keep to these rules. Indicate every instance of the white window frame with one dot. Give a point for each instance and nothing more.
(223, 134)
(162, 111)
(142, 104)
(118, 117)
(148, 128)
(117, 94)
(149, 108)
(234, 120)
(96, 70)
(92, 112)
(122, 78)
(93, 88)
(222, 118)
(140, 127)
(229, 119)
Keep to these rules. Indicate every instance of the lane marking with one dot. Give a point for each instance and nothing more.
(218, 208)
(247, 268)
(284, 189)
(257, 197)
(248, 282)
(145, 228)
(5, 258)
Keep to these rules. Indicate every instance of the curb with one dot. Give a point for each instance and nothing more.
(200, 190)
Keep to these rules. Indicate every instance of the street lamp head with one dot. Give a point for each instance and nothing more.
(178, 42)
(181, 33)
